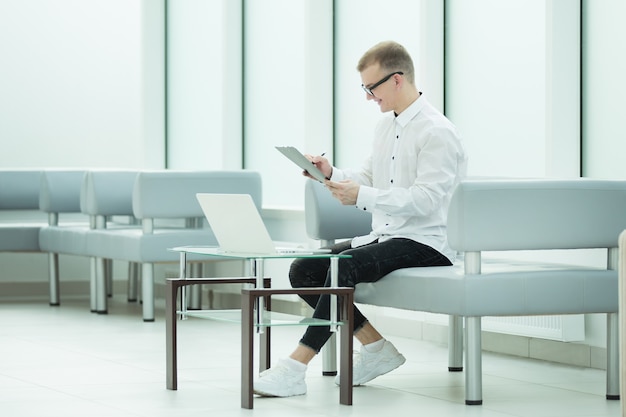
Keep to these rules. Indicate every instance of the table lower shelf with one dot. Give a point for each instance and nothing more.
(270, 318)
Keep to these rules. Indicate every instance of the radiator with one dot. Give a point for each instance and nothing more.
(565, 328)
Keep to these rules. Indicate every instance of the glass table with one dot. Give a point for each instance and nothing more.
(256, 315)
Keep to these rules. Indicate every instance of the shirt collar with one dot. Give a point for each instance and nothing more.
(410, 112)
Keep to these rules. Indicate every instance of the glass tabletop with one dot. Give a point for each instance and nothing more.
(214, 251)
(270, 318)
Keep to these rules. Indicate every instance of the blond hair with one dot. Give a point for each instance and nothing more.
(391, 56)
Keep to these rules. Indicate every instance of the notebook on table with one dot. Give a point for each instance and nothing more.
(238, 226)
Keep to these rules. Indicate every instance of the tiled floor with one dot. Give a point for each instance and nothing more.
(67, 362)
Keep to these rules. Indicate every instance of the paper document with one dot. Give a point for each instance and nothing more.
(296, 157)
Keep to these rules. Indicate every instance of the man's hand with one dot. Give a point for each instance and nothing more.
(321, 163)
(345, 191)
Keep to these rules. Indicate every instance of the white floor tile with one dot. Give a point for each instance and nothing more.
(66, 361)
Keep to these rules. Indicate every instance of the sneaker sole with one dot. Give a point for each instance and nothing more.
(396, 363)
(278, 394)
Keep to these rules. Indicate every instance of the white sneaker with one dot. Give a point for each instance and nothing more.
(280, 381)
(368, 365)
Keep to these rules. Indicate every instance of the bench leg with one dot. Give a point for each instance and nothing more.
(133, 276)
(195, 291)
(101, 286)
(473, 362)
(612, 357)
(93, 286)
(53, 271)
(455, 344)
(108, 268)
(147, 291)
(329, 356)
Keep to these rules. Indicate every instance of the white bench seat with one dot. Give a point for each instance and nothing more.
(20, 237)
(503, 288)
(133, 244)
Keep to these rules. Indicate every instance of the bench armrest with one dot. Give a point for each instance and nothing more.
(498, 215)
(172, 194)
(327, 219)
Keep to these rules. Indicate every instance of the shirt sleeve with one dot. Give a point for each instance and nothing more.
(367, 198)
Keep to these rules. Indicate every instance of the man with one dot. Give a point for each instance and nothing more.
(416, 161)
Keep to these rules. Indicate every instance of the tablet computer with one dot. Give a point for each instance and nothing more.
(299, 159)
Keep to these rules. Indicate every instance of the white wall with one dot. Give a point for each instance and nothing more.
(419, 27)
(512, 82)
(287, 83)
(79, 83)
(204, 84)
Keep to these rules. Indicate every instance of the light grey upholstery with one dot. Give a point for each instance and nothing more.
(160, 198)
(20, 236)
(59, 196)
(536, 214)
(328, 220)
(60, 191)
(108, 193)
(19, 191)
(504, 215)
(97, 194)
(502, 289)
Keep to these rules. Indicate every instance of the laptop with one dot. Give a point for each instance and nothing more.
(238, 226)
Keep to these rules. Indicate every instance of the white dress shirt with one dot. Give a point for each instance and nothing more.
(417, 160)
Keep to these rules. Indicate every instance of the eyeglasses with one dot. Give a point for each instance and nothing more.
(370, 90)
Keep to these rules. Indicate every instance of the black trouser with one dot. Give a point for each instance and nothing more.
(368, 263)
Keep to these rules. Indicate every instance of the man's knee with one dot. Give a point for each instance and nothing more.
(306, 273)
(296, 274)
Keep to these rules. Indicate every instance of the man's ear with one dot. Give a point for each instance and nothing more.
(399, 80)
